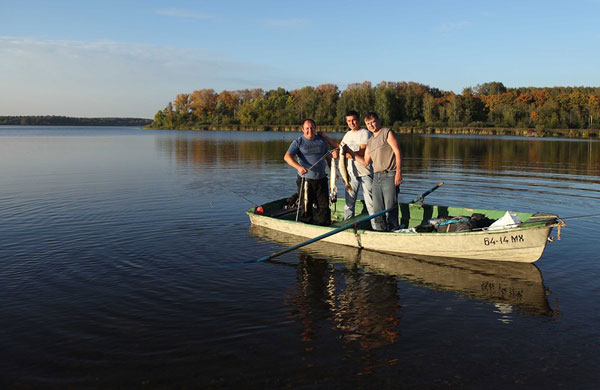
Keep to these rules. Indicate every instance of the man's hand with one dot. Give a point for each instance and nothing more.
(302, 171)
(349, 152)
(398, 178)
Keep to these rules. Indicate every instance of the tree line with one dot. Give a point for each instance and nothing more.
(55, 120)
(397, 103)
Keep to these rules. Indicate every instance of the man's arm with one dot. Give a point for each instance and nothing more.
(288, 158)
(391, 140)
(362, 156)
(360, 152)
(329, 140)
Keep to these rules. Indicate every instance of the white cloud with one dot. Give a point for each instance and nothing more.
(109, 78)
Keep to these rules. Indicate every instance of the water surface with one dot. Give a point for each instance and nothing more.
(121, 254)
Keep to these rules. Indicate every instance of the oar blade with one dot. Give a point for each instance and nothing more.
(264, 258)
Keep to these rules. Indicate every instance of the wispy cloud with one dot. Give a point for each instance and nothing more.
(456, 26)
(183, 13)
(110, 78)
(287, 23)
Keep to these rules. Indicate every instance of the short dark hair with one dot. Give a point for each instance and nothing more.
(353, 113)
(372, 115)
(309, 120)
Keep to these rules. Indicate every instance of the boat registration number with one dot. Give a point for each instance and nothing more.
(503, 240)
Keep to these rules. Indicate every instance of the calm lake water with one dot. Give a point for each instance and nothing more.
(121, 255)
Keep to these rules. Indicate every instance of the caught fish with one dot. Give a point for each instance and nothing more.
(305, 195)
(343, 169)
(332, 187)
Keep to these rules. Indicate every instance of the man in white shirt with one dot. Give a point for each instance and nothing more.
(356, 140)
(359, 175)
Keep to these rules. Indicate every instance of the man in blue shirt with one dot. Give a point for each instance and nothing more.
(306, 155)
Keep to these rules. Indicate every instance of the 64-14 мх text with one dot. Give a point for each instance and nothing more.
(504, 240)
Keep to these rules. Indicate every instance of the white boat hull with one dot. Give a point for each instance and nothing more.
(524, 245)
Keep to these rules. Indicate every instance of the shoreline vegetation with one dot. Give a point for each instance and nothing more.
(522, 132)
(407, 107)
(55, 120)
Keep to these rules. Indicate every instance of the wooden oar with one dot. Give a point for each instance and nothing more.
(340, 229)
(322, 236)
(424, 194)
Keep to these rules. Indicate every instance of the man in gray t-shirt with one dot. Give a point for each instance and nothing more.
(384, 152)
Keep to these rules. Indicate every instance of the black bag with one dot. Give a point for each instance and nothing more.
(426, 228)
(480, 221)
(454, 224)
(476, 221)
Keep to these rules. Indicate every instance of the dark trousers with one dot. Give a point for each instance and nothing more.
(318, 195)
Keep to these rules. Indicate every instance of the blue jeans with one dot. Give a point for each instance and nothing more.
(355, 182)
(385, 196)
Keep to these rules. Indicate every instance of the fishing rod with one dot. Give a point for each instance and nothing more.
(300, 192)
(319, 160)
(240, 195)
(582, 216)
(421, 197)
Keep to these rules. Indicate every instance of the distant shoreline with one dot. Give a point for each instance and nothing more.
(503, 131)
(57, 120)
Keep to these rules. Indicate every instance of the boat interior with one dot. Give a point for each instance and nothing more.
(411, 215)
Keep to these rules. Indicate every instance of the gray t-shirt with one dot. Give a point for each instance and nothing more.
(354, 139)
(309, 152)
(382, 154)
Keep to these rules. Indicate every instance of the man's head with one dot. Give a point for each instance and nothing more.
(372, 121)
(309, 129)
(353, 120)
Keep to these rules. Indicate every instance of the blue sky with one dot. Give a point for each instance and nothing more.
(130, 58)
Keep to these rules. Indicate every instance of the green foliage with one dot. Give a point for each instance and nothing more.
(491, 88)
(398, 103)
(359, 97)
(327, 96)
(387, 105)
(431, 110)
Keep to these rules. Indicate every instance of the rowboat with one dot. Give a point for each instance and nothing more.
(522, 242)
(509, 286)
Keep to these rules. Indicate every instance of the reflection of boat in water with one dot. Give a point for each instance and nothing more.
(506, 284)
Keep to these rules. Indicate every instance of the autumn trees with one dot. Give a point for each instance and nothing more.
(398, 103)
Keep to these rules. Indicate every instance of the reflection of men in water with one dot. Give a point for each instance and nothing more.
(310, 150)
(363, 306)
(368, 309)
